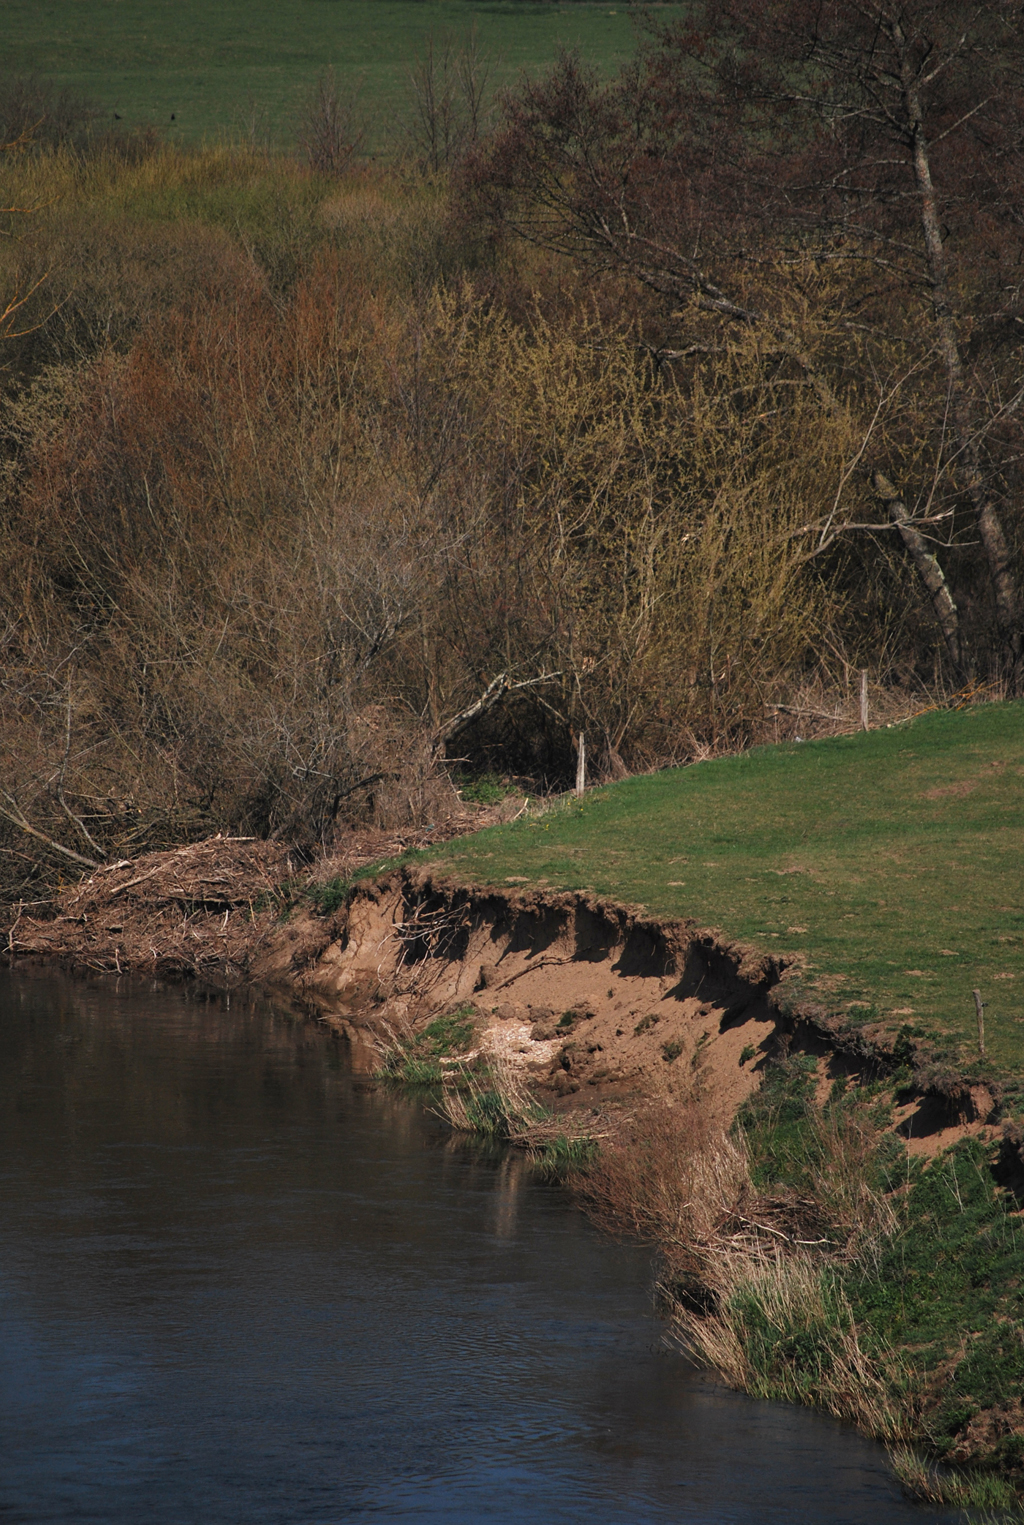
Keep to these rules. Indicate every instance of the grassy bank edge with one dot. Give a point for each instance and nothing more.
(802, 1324)
(773, 1234)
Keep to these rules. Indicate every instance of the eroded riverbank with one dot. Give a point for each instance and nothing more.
(652, 998)
(649, 1035)
(242, 1285)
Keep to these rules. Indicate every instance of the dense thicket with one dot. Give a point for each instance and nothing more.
(841, 181)
(320, 486)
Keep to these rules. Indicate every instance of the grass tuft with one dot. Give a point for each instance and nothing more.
(421, 1060)
(563, 1157)
(492, 1100)
(976, 1491)
(332, 894)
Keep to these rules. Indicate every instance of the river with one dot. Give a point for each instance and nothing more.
(238, 1283)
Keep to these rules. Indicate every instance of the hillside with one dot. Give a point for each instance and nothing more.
(239, 67)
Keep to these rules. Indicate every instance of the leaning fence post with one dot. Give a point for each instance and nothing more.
(979, 1006)
(863, 698)
(581, 764)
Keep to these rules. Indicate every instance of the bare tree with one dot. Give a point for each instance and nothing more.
(331, 131)
(450, 91)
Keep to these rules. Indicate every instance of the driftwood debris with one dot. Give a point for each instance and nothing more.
(191, 911)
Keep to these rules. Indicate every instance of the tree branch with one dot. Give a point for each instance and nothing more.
(493, 694)
(15, 816)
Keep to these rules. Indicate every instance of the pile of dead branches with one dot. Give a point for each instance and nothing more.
(202, 909)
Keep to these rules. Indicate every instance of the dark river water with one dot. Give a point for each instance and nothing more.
(237, 1284)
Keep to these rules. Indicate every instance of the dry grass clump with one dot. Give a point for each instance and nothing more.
(782, 1328)
(753, 1275)
(676, 1179)
(493, 1099)
(841, 1192)
(476, 1091)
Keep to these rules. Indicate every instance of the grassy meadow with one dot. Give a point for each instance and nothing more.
(891, 860)
(244, 67)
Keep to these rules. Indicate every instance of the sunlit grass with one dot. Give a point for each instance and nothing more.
(889, 861)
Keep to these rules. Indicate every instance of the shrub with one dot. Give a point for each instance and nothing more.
(331, 131)
(486, 789)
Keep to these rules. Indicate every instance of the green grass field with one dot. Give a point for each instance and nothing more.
(892, 860)
(221, 69)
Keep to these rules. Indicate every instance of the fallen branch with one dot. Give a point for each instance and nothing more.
(16, 818)
(542, 963)
(493, 694)
(131, 883)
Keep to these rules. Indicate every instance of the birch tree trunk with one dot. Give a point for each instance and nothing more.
(928, 569)
(986, 512)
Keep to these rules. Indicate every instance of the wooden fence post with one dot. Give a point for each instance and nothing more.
(863, 698)
(581, 764)
(979, 1006)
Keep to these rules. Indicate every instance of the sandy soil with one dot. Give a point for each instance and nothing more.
(591, 1001)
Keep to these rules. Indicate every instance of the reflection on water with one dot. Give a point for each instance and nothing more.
(238, 1284)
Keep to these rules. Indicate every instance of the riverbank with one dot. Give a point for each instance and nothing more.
(651, 1037)
(592, 999)
(232, 1270)
(853, 1243)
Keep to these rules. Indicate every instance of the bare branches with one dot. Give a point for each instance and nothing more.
(75, 820)
(12, 812)
(331, 132)
(450, 89)
(497, 690)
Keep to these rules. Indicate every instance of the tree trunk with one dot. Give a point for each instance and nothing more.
(986, 513)
(928, 569)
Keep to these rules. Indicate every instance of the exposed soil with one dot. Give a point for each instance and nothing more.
(589, 998)
(595, 1002)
